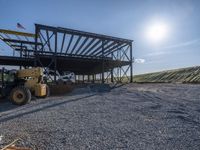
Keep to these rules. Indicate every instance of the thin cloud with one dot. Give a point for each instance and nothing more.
(158, 53)
(179, 45)
(188, 43)
(139, 60)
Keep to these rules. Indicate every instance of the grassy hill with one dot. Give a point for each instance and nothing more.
(183, 75)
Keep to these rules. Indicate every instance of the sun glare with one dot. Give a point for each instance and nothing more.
(157, 32)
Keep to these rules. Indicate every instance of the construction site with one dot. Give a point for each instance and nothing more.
(41, 58)
(99, 75)
(100, 108)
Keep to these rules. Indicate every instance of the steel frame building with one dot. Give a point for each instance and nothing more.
(90, 56)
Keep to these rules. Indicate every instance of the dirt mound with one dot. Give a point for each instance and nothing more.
(60, 89)
(100, 88)
(91, 88)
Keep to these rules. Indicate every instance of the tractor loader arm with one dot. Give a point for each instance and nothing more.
(31, 72)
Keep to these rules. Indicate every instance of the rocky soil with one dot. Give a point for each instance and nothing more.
(132, 116)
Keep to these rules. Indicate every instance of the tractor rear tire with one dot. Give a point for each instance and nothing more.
(20, 95)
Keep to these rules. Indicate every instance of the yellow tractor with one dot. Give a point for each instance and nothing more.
(20, 85)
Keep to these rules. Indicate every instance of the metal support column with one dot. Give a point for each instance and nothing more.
(102, 79)
(36, 46)
(20, 67)
(55, 54)
(93, 78)
(88, 78)
(131, 63)
(111, 72)
(120, 74)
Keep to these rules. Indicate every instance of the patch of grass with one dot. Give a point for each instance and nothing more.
(183, 75)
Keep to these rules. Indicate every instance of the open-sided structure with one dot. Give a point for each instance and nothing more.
(88, 55)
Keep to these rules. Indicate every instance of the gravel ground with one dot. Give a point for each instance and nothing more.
(133, 116)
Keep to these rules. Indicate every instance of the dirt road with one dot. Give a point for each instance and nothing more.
(133, 116)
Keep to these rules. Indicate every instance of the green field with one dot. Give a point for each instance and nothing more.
(183, 75)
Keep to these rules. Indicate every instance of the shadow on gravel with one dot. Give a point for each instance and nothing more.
(54, 104)
(6, 105)
(117, 85)
(185, 119)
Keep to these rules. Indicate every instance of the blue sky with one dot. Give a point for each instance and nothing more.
(122, 18)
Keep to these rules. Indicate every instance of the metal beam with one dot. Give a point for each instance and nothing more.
(18, 46)
(115, 49)
(112, 44)
(93, 35)
(131, 63)
(99, 41)
(98, 48)
(55, 59)
(103, 62)
(78, 40)
(63, 42)
(17, 33)
(87, 46)
(21, 41)
(36, 46)
(83, 33)
(48, 40)
(81, 46)
(125, 53)
(72, 36)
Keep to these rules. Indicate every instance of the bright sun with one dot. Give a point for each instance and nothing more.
(157, 32)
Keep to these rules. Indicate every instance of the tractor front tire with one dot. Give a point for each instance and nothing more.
(20, 95)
